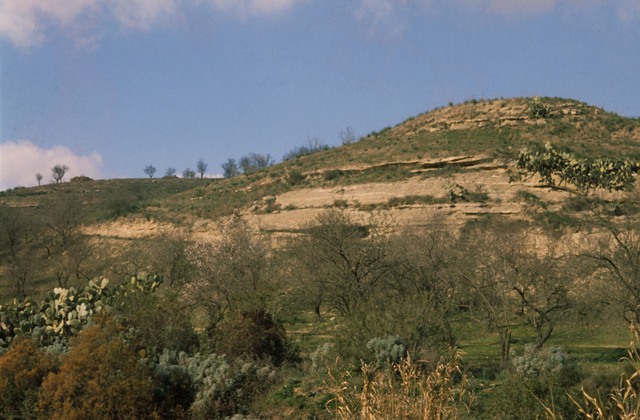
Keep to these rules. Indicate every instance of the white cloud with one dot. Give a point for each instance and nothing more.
(254, 7)
(25, 21)
(521, 8)
(141, 14)
(628, 10)
(381, 17)
(21, 160)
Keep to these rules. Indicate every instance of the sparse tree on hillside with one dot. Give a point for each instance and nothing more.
(616, 259)
(514, 279)
(188, 173)
(68, 249)
(229, 274)
(19, 248)
(344, 264)
(423, 268)
(39, 178)
(261, 161)
(58, 172)
(230, 168)
(201, 168)
(150, 170)
(255, 162)
(348, 136)
(170, 172)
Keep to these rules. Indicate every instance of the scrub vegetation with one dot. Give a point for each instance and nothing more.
(352, 314)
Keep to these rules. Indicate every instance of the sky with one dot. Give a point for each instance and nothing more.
(108, 87)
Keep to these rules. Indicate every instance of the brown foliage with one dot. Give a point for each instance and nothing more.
(100, 379)
(22, 370)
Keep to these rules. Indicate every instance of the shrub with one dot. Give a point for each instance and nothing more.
(255, 334)
(295, 177)
(313, 146)
(332, 174)
(225, 388)
(321, 356)
(22, 369)
(388, 351)
(101, 378)
(341, 204)
(81, 178)
(540, 383)
(537, 109)
(544, 362)
(174, 391)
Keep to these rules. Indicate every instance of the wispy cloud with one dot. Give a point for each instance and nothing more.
(520, 8)
(142, 14)
(389, 18)
(628, 10)
(24, 22)
(381, 17)
(28, 22)
(21, 160)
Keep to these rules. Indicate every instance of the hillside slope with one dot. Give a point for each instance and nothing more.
(452, 163)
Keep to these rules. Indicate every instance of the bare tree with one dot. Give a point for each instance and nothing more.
(255, 162)
(230, 273)
(19, 248)
(201, 168)
(423, 267)
(58, 172)
(348, 136)
(616, 258)
(230, 168)
(509, 281)
(150, 170)
(188, 173)
(39, 178)
(344, 264)
(170, 172)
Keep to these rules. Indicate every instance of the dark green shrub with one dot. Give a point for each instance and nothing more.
(255, 334)
(295, 177)
(332, 174)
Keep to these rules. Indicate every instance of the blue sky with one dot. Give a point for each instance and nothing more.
(110, 86)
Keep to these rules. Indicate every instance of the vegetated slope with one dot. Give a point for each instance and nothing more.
(454, 163)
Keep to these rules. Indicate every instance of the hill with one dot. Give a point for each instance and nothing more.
(397, 247)
(409, 166)
(453, 163)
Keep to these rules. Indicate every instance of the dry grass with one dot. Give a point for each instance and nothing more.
(623, 402)
(405, 390)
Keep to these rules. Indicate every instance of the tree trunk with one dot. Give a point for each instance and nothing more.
(505, 346)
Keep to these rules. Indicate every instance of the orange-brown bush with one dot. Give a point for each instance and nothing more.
(22, 370)
(101, 378)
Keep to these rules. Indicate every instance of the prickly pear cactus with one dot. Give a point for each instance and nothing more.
(65, 311)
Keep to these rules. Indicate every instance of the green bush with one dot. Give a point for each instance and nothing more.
(332, 174)
(295, 177)
(255, 334)
(388, 351)
(225, 388)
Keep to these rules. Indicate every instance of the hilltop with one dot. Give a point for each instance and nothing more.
(409, 172)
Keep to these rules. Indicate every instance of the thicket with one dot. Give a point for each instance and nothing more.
(397, 304)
